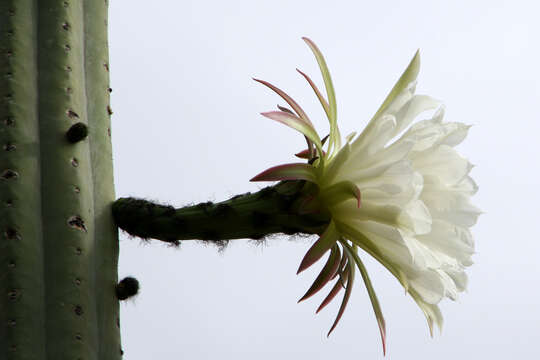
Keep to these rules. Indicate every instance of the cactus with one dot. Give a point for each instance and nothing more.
(59, 246)
(59, 287)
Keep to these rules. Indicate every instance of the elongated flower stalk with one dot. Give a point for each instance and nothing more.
(271, 210)
(59, 246)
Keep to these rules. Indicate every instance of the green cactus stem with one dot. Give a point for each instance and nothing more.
(58, 255)
(22, 305)
(274, 209)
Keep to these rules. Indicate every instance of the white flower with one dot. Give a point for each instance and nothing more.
(399, 192)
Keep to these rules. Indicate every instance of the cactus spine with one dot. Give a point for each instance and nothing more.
(59, 247)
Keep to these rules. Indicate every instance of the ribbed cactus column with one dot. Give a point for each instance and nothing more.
(106, 232)
(58, 254)
(22, 306)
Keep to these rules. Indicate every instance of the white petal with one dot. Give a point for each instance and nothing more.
(423, 257)
(411, 109)
(401, 99)
(459, 278)
(442, 162)
(439, 197)
(384, 131)
(395, 178)
(454, 133)
(416, 217)
(374, 125)
(337, 168)
(467, 186)
(464, 217)
(388, 240)
(429, 286)
(431, 311)
(448, 239)
(363, 175)
(410, 188)
(391, 154)
(349, 137)
(386, 214)
(429, 134)
(450, 288)
(375, 136)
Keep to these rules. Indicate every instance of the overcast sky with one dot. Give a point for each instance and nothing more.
(186, 128)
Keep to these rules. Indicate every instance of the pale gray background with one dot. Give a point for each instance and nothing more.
(186, 128)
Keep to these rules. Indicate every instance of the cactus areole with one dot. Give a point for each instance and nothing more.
(59, 243)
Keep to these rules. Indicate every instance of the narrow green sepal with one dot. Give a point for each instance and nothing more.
(326, 274)
(352, 251)
(344, 190)
(343, 275)
(362, 241)
(408, 76)
(294, 171)
(320, 247)
(348, 290)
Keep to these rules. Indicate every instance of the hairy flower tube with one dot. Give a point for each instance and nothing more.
(398, 191)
